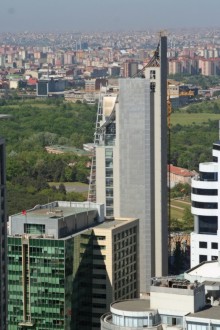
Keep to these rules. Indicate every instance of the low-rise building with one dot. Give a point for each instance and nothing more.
(179, 175)
(173, 304)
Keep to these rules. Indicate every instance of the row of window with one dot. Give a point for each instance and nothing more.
(208, 176)
(206, 192)
(202, 205)
(125, 233)
(98, 237)
(124, 277)
(204, 245)
(124, 262)
(122, 294)
(123, 254)
(203, 257)
(127, 242)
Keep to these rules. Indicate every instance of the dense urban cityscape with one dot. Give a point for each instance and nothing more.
(110, 178)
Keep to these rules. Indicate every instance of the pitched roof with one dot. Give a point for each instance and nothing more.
(180, 171)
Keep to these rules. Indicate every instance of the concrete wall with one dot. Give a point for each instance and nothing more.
(160, 159)
(180, 300)
(134, 142)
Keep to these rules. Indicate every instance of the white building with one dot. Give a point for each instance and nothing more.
(205, 239)
(173, 304)
(189, 303)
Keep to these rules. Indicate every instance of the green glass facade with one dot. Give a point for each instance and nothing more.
(50, 283)
(36, 284)
(69, 282)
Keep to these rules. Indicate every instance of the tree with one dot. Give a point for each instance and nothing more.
(178, 263)
(188, 219)
(62, 189)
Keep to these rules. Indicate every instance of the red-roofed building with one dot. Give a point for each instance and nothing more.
(179, 175)
(32, 81)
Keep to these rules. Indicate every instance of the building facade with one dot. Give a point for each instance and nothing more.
(205, 239)
(3, 239)
(130, 164)
(66, 266)
(161, 311)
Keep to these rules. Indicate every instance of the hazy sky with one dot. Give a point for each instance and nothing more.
(107, 15)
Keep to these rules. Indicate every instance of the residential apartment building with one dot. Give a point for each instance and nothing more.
(66, 266)
(205, 239)
(3, 239)
(130, 174)
(130, 68)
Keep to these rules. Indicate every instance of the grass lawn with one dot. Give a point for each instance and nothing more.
(180, 203)
(184, 118)
(176, 213)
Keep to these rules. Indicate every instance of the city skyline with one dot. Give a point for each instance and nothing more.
(97, 15)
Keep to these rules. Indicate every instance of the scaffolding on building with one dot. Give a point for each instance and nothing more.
(99, 135)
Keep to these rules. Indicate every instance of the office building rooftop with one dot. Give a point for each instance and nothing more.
(56, 219)
(134, 305)
(210, 312)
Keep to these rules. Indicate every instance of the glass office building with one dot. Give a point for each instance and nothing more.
(64, 265)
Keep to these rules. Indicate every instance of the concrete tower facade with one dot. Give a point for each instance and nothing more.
(131, 152)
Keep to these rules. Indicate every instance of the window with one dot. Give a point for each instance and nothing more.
(202, 205)
(152, 74)
(208, 176)
(31, 228)
(203, 245)
(214, 258)
(109, 153)
(99, 295)
(215, 246)
(216, 147)
(209, 192)
(101, 237)
(208, 224)
(202, 258)
(152, 86)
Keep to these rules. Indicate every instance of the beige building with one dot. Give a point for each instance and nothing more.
(13, 84)
(118, 276)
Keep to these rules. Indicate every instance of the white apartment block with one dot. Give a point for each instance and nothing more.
(205, 239)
